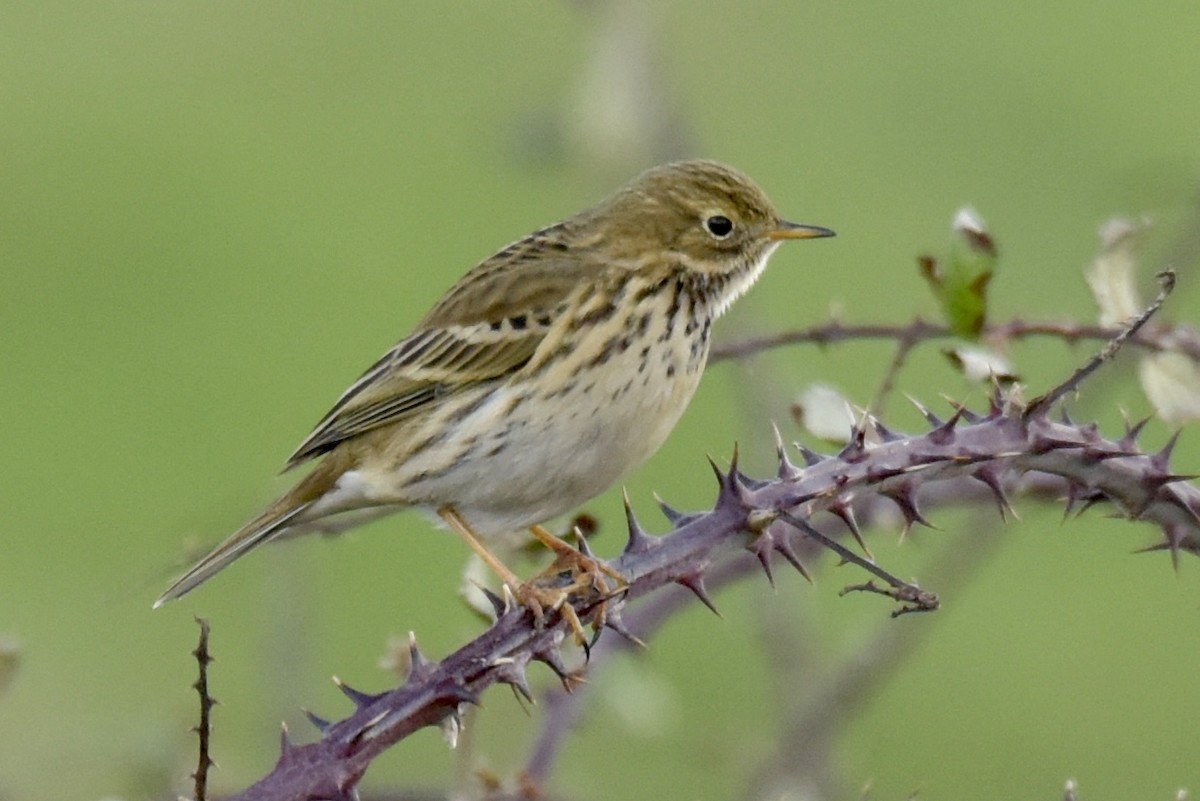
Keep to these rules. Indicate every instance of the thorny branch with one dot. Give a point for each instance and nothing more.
(989, 448)
(203, 729)
(765, 517)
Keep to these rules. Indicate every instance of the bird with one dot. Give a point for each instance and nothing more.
(542, 376)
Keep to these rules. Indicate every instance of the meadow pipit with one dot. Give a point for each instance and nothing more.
(549, 370)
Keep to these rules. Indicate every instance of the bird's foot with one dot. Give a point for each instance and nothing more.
(576, 575)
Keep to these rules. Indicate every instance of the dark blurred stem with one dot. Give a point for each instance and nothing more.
(1177, 338)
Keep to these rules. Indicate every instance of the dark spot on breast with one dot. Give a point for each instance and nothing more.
(496, 325)
(617, 343)
(672, 311)
(671, 370)
(652, 289)
(544, 320)
(518, 322)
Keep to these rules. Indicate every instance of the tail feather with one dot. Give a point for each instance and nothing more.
(254, 533)
(275, 521)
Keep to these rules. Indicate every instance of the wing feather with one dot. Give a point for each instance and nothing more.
(485, 328)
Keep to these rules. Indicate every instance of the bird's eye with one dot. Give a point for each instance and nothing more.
(719, 226)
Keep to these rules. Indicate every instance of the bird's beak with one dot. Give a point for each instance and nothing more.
(791, 230)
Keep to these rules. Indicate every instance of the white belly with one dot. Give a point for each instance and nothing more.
(551, 465)
(531, 465)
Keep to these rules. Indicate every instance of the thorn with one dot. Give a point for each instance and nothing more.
(762, 548)
(1080, 494)
(695, 583)
(990, 475)
(1172, 539)
(321, 724)
(552, 660)
(786, 470)
(731, 490)
(716, 470)
(885, 434)
(285, 742)
(1163, 479)
(855, 449)
(512, 672)
(904, 495)
(638, 540)
(360, 699)
(996, 408)
(581, 544)
(811, 457)
(498, 605)
(1162, 460)
(746, 484)
(1132, 432)
(418, 665)
(616, 622)
(846, 512)
(674, 516)
(859, 440)
(1064, 417)
(962, 411)
(1089, 502)
(931, 418)
(945, 433)
(784, 546)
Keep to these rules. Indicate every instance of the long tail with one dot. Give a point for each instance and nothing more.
(279, 516)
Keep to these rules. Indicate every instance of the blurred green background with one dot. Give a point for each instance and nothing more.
(214, 215)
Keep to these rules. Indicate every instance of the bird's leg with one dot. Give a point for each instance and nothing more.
(534, 598)
(462, 529)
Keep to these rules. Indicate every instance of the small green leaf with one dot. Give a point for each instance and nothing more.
(960, 280)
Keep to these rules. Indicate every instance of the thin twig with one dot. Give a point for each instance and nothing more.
(1176, 338)
(914, 598)
(1166, 281)
(204, 728)
(903, 348)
